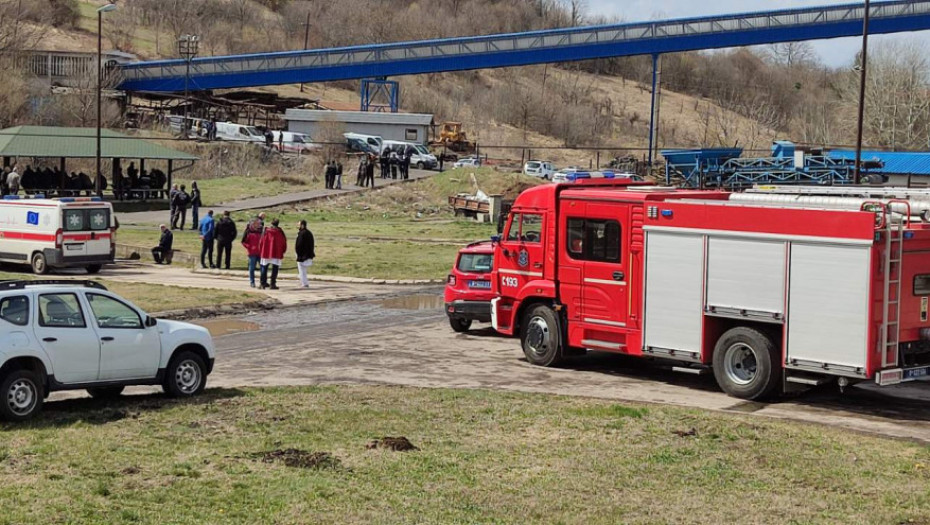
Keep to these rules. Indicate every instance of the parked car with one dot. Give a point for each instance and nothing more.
(72, 335)
(363, 143)
(291, 142)
(562, 174)
(468, 162)
(469, 287)
(539, 168)
(238, 133)
(421, 159)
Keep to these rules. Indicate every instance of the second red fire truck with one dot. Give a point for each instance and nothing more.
(773, 289)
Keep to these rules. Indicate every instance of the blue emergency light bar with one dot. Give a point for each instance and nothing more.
(578, 175)
(80, 199)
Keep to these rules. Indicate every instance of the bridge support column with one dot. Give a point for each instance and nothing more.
(380, 95)
(654, 109)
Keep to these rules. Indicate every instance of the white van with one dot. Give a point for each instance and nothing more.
(291, 142)
(363, 143)
(421, 159)
(238, 133)
(57, 233)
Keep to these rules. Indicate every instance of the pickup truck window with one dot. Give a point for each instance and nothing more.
(15, 310)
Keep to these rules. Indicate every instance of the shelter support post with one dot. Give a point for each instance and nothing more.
(654, 106)
(170, 174)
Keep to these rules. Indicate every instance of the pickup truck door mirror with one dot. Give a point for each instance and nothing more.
(150, 321)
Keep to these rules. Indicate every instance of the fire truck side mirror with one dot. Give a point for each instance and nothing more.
(495, 238)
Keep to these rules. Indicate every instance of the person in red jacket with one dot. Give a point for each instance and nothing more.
(250, 241)
(271, 248)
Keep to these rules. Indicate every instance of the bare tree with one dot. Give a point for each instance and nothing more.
(792, 54)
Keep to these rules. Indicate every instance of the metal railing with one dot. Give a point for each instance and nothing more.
(373, 54)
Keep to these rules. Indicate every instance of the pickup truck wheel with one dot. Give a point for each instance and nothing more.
(420, 165)
(459, 324)
(186, 375)
(110, 392)
(540, 336)
(39, 264)
(746, 363)
(94, 268)
(22, 395)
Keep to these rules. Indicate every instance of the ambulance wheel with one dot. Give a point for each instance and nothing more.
(39, 265)
(94, 268)
(540, 336)
(460, 325)
(746, 363)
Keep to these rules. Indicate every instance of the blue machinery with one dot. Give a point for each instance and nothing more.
(520, 49)
(724, 168)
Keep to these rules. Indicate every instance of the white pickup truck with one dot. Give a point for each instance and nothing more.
(69, 335)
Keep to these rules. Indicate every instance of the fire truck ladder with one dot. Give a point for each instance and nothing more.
(895, 225)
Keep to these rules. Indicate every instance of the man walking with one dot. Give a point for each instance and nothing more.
(305, 254)
(207, 235)
(250, 241)
(225, 235)
(181, 200)
(171, 194)
(272, 247)
(162, 252)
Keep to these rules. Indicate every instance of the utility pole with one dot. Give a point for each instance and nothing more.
(306, 42)
(98, 187)
(862, 78)
(188, 46)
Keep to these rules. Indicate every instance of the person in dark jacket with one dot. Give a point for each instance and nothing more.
(181, 201)
(304, 247)
(385, 163)
(405, 164)
(207, 235)
(338, 175)
(330, 175)
(225, 235)
(370, 171)
(163, 252)
(196, 203)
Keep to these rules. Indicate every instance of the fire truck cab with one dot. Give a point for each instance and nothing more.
(774, 289)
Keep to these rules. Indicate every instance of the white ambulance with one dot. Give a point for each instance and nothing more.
(57, 233)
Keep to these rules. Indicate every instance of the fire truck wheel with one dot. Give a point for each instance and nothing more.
(746, 363)
(540, 336)
(39, 265)
(460, 325)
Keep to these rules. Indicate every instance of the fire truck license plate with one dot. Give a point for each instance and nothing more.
(484, 285)
(917, 373)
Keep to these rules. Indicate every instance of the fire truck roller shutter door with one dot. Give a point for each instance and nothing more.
(674, 294)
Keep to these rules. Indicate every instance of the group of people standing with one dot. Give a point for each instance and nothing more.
(265, 246)
(333, 175)
(394, 161)
(366, 171)
(179, 200)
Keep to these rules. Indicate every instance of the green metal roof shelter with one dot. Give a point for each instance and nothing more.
(81, 143)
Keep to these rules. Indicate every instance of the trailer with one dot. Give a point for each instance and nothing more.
(773, 290)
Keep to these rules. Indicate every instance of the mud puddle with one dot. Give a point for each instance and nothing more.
(414, 302)
(221, 327)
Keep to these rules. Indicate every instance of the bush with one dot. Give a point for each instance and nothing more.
(64, 13)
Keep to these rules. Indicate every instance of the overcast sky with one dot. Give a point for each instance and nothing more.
(837, 52)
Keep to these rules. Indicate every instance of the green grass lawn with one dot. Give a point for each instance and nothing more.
(158, 297)
(484, 457)
(228, 189)
(391, 248)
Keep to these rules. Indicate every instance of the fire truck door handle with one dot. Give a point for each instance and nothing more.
(537, 265)
(618, 276)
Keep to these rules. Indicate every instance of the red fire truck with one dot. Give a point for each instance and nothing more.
(774, 289)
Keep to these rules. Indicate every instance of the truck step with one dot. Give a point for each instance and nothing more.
(693, 370)
(808, 380)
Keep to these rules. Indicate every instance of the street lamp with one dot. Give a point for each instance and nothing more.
(98, 187)
(188, 46)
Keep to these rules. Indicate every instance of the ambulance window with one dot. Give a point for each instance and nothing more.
(74, 220)
(15, 310)
(99, 219)
(922, 284)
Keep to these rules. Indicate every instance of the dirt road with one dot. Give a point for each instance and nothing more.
(406, 340)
